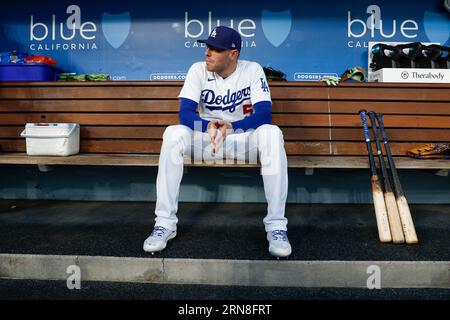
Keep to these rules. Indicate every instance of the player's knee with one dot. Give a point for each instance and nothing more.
(270, 129)
(269, 134)
(176, 133)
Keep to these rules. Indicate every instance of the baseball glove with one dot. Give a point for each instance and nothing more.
(351, 74)
(355, 73)
(274, 75)
(431, 151)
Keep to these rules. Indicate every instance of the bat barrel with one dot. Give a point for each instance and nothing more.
(384, 232)
(402, 203)
(391, 205)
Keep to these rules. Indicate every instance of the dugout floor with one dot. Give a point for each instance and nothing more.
(214, 231)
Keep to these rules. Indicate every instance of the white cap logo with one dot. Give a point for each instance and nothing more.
(213, 34)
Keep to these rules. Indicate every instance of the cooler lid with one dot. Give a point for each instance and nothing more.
(51, 125)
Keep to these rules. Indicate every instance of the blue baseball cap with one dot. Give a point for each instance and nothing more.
(224, 38)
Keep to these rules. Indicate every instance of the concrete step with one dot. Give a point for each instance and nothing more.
(337, 274)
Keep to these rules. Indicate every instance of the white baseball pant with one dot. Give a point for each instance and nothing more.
(266, 142)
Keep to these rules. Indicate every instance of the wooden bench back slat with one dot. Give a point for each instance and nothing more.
(89, 105)
(405, 94)
(317, 92)
(172, 105)
(388, 107)
(91, 92)
(290, 134)
(292, 120)
(124, 119)
(130, 117)
(339, 120)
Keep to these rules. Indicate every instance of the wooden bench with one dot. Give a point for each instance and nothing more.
(122, 122)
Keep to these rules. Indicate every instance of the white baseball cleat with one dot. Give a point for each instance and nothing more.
(279, 245)
(157, 241)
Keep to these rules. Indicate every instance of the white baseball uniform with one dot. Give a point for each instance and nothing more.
(230, 99)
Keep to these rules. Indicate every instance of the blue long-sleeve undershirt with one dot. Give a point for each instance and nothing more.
(262, 115)
(188, 116)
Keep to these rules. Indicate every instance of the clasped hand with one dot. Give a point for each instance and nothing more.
(218, 131)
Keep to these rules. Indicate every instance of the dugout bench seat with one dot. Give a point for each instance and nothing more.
(122, 122)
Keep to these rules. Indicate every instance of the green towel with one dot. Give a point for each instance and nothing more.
(83, 77)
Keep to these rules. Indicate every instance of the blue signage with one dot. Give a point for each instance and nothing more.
(134, 40)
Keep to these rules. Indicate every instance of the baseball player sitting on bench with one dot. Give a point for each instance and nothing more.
(233, 122)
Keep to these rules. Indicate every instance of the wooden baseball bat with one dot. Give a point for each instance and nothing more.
(384, 232)
(391, 205)
(402, 203)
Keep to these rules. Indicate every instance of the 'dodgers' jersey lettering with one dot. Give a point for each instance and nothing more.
(226, 102)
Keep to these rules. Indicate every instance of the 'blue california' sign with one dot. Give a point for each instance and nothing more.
(156, 40)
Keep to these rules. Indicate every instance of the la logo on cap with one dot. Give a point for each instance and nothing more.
(213, 34)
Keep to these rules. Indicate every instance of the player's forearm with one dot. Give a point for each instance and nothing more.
(262, 115)
(188, 117)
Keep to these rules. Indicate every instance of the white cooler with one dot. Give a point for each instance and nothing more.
(52, 139)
